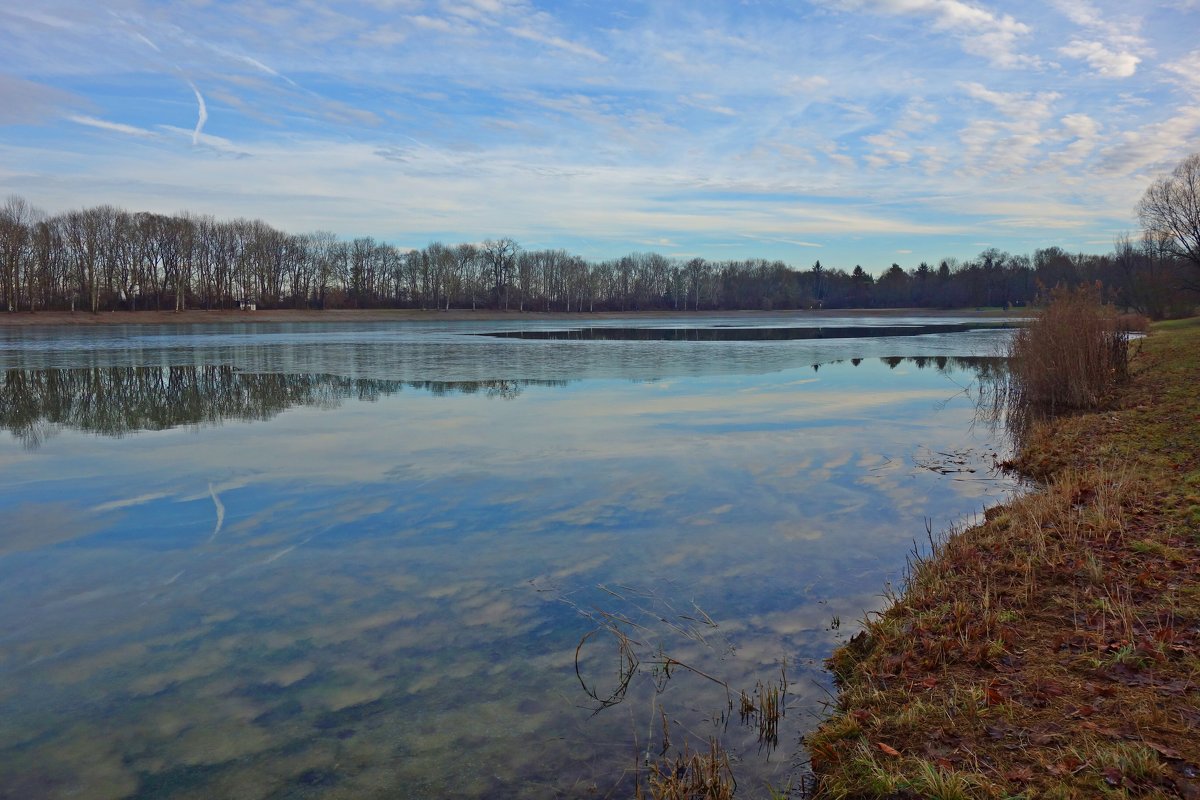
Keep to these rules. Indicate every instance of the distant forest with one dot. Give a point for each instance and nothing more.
(105, 258)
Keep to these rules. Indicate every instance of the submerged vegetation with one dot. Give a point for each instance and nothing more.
(1051, 651)
(696, 762)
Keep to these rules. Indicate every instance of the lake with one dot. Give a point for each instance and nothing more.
(468, 559)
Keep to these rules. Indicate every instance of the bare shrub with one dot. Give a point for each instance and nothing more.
(1133, 323)
(1067, 359)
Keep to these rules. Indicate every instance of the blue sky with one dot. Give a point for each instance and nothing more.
(850, 131)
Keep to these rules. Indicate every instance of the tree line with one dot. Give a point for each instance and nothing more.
(105, 258)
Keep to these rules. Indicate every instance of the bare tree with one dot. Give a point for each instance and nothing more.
(47, 279)
(468, 265)
(82, 235)
(501, 255)
(1170, 213)
(16, 218)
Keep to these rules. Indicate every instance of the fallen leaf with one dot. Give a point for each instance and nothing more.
(1068, 766)
(887, 749)
(1045, 738)
(1188, 790)
(1164, 751)
(1020, 775)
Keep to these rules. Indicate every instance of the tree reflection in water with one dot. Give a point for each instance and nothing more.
(117, 400)
(114, 401)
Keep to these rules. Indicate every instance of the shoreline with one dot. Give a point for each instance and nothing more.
(24, 319)
(1054, 649)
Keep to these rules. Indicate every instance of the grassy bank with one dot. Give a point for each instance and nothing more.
(1054, 650)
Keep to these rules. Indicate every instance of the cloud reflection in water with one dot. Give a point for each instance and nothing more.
(395, 583)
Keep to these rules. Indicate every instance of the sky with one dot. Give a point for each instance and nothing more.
(852, 132)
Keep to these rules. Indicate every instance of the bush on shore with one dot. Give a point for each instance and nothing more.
(1070, 356)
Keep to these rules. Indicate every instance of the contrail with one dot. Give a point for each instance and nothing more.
(147, 42)
(203, 118)
(212, 493)
(287, 550)
(254, 62)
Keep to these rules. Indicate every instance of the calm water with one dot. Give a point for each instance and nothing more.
(359, 560)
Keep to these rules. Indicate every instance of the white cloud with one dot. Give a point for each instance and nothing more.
(38, 18)
(1084, 131)
(603, 125)
(918, 115)
(1156, 146)
(707, 102)
(26, 102)
(1111, 47)
(1010, 144)
(982, 32)
(435, 24)
(894, 146)
(1016, 105)
(1106, 62)
(885, 151)
(384, 36)
(803, 84)
(1186, 70)
(1080, 126)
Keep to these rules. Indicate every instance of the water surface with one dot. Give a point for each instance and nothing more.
(360, 560)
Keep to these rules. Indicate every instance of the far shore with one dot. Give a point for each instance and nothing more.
(220, 317)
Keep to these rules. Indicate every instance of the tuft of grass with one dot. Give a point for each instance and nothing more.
(935, 783)
(764, 708)
(691, 776)
(858, 774)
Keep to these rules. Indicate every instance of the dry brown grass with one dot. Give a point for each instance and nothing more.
(1053, 651)
(1068, 358)
(691, 776)
(1133, 323)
